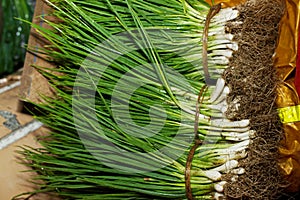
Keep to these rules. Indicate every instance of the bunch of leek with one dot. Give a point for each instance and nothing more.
(133, 118)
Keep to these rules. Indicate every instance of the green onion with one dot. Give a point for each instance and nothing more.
(124, 117)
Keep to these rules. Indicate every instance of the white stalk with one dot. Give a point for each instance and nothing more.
(233, 152)
(234, 178)
(221, 60)
(225, 123)
(222, 106)
(219, 187)
(232, 156)
(234, 46)
(216, 115)
(218, 89)
(225, 15)
(218, 196)
(221, 97)
(236, 22)
(219, 71)
(214, 31)
(226, 53)
(235, 139)
(224, 45)
(213, 175)
(240, 146)
(227, 167)
(240, 130)
(217, 40)
(238, 171)
(228, 37)
(248, 134)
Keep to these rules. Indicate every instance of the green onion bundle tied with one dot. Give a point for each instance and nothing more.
(148, 101)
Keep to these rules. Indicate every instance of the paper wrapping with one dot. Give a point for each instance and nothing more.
(225, 3)
(288, 103)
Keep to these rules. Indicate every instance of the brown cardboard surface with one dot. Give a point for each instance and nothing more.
(32, 82)
(9, 101)
(14, 180)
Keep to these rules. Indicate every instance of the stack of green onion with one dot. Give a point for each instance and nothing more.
(133, 118)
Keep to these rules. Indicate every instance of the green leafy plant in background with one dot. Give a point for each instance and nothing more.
(15, 33)
(133, 118)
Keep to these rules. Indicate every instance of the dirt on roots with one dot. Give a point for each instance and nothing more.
(252, 81)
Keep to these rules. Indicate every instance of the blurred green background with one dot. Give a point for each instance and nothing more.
(14, 33)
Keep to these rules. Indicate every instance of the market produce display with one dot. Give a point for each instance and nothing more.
(160, 99)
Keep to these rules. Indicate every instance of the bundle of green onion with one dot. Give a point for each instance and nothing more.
(14, 33)
(133, 118)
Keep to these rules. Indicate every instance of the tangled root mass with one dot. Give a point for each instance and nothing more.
(252, 80)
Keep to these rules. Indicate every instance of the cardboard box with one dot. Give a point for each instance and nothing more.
(33, 84)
